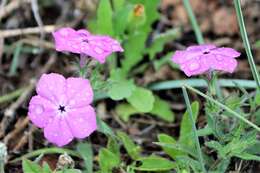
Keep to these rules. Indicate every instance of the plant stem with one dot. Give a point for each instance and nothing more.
(246, 42)
(223, 107)
(10, 96)
(193, 21)
(194, 129)
(44, 151)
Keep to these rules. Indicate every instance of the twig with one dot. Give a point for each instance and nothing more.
(13, 5)
(35, 9)
(22, 142)
(10, 111)
(32, 30)
(34, 41)
(19, 126)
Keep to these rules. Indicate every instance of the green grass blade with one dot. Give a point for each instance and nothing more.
(194, 129)
(10, 96)
(201, 83)
(15, 60)
(235, 114)
(246, 42)
(193, 21)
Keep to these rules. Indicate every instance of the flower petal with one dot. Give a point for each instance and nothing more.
(58, 131)
(223, 63)
(82, 121)
(195, 66)
(52, 87)
(228, 52)
(67, 39)
(203, 47)
(79, 92)
(41, 111)
(178, 56)
(100, 47)
(83, 32)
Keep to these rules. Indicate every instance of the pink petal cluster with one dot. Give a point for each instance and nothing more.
(82, 42)
(62, 108)
(199, 59)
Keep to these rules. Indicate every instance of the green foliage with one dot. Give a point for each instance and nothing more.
(107, 160)
(132, 149)
(69, 171)
(183, 149)
(173, 152)
(155, 163)
(257, 98)
(104, 128)
(160, 40)
(142, 99)
(120, 88)
(125, 111)
(186, 126)
(133, 50)
(85, 150)
(162, 109)
(104, 11)
(33, 167)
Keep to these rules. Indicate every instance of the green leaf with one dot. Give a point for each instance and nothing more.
(142, 99)
(189, 162)
(162, 109)
(257, 98)
(69, 171)
(118, 4)
(164, 138)
(108, 160)
(121, 89)
(104, 18)
(132, 149)
(216, 146)
(113, 146)
(166, 59)
(179, 147)
(133, 47)
(85, 150)
(248, 156)
(222, 166)
(121, 19)
(241, 142)
(46, 168)
(104, 128)
(160, 40)
(186, 126)
(155, 163)
(152, 14)
(31, 167)
(125, 111)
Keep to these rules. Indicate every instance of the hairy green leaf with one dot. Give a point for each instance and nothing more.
(142, 99)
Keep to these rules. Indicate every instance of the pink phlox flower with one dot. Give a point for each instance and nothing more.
(62, 108)
(199, 59)
(82, 42)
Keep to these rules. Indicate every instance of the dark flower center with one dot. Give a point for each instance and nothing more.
(206, 52)
(62, 109)
(85, 40)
